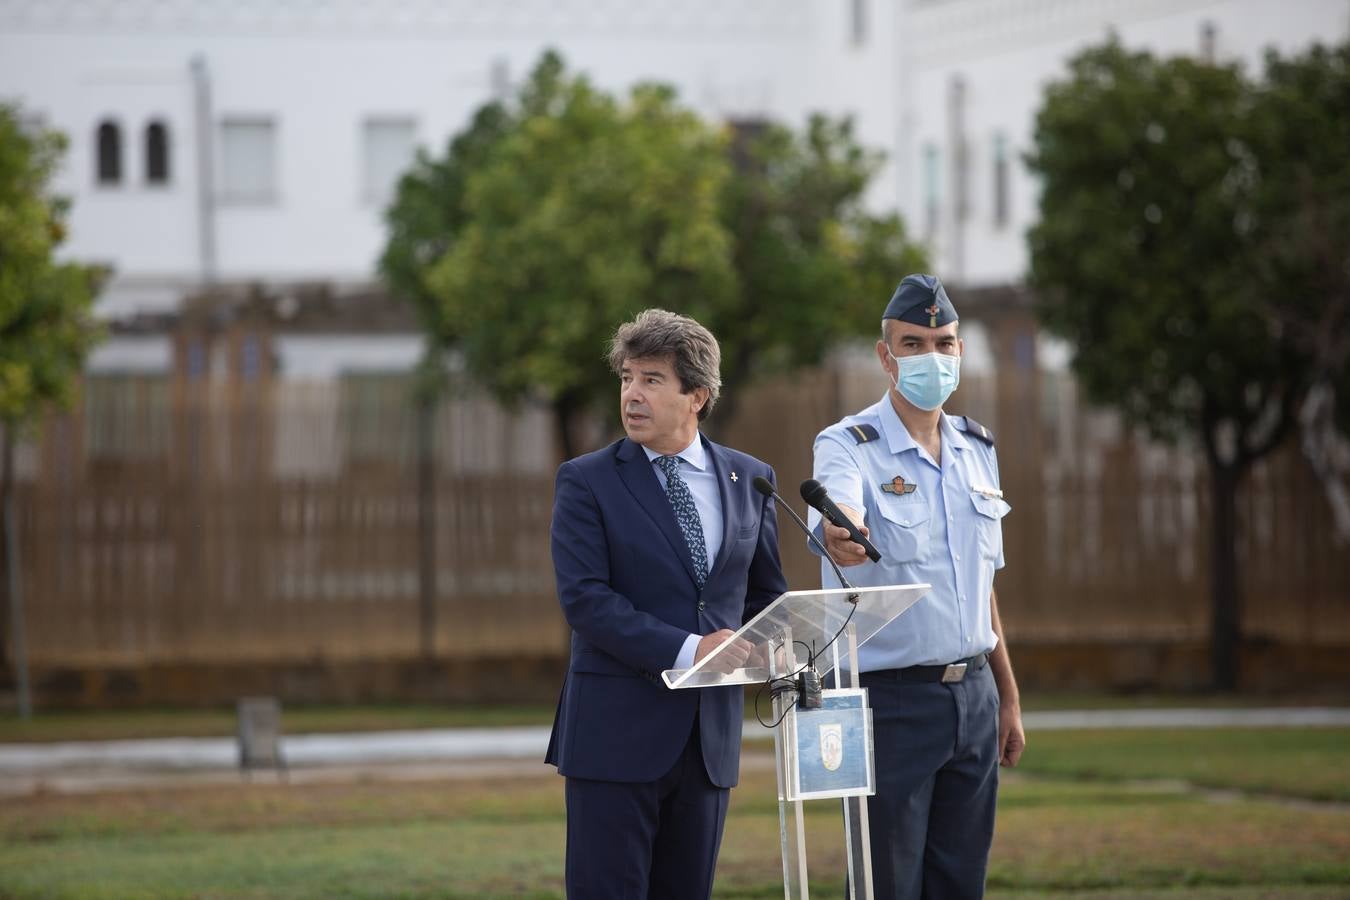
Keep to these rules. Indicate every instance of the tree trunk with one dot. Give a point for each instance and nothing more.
(1225, 600)
(426, 525)
(17, 632)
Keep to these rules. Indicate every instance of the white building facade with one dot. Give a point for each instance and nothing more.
(972, 79)
(258, 140)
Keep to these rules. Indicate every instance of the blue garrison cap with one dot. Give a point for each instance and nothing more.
(920, 300)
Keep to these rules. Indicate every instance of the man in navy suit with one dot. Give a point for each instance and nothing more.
(661, 549)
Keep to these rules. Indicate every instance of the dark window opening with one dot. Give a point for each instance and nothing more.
(156, 153)
(109, 153)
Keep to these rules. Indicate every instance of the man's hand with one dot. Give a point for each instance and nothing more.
(1011, 739)
(730, 659)
(759, 656)
(841, 547)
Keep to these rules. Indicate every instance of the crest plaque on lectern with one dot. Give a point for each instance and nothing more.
(833, 746)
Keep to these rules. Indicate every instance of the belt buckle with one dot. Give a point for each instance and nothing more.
(954, 673)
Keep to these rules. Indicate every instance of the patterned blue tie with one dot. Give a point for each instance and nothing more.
(682, 501)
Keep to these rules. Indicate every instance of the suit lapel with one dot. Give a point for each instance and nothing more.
(638, 476)
(731, 501)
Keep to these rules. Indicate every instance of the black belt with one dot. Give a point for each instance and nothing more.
(948, 674)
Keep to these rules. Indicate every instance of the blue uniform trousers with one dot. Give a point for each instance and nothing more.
(932, 818)
(653, 839)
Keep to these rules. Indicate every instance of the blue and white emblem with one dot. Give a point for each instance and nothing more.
(832, 745)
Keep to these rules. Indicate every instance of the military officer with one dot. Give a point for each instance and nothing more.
(924, 487)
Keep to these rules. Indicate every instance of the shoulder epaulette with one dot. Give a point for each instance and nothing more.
(974, 429)
(863, 433)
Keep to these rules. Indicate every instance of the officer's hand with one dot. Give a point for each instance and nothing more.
(841, 547)
(1012, 740)
(731, 658)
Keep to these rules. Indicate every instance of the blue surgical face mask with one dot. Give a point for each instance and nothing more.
(927, 380)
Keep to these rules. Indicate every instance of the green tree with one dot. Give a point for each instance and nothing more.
(1148, 258)
(46, 328)
(551, 220)
(586, 211)
(813, 265)
(427, 214)
(426, 217)
(1301, 230)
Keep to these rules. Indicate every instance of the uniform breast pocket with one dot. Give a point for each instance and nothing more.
(989, 523)
(903, 536)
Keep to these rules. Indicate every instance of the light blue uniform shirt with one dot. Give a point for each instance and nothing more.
(947, 532)
(697, 472)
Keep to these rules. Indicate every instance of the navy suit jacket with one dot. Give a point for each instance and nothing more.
(626, 584)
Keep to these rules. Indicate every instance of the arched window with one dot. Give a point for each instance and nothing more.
(109, 153)
(156, 153)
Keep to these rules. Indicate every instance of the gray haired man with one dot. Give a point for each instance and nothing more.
(661, 548)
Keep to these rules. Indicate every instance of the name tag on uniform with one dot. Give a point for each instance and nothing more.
(987, 491)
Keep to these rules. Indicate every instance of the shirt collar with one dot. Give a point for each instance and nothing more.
(695, 454)
(898, 438)
(953, 436)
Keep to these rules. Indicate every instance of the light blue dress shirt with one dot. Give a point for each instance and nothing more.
(697, 472)
(946, 532)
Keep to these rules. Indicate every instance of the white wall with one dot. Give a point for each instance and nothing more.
(73, 83)
(860, 79)
(321, 68)
(1008, 50)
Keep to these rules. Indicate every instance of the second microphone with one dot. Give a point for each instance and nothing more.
(815, 495)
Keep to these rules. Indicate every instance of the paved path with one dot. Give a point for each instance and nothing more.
(464, 752)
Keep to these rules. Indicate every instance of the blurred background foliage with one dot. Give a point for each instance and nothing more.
(1193, 248)
(564, 211)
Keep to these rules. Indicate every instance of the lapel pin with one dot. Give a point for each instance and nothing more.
(734, 479)
(897, 485)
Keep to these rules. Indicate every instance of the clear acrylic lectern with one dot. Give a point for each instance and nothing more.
(797, 626)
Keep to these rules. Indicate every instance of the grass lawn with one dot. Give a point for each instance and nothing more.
(1301, 763)
(1090, 814)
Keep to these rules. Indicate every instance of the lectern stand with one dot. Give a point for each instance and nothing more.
(799, 626)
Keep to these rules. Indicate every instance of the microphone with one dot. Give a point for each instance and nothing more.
(764, 487)
(807, 684)
(815, 495)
